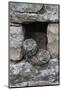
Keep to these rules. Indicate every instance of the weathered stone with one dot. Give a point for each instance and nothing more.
(16, 36)
(16, 54)
(30, 47)
(52, 37)
(53, 49)
(23, 84)
(35, 71)
(45, 73)
(22, 12)
(35, 83)
(25, 72)
(42, 57)
(54, 70)
(30, 83)
(52, 12)
(53, 65)
(21, 72)
(20, 68)
(51, 73)
(52, 34)
(51, 8)
(53, 28)
(25, 7)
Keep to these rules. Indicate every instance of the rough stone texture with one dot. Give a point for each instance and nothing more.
(30, 47)
(22, 12)
(16, 54)
(52, 34)
(39, 69)
(42, 57)
(25, 7)
(52, 37)
(53, 49)
(25, 74)
(16, 36)
(53, 28)
(31, 83)
(35, 83)
(54, 70)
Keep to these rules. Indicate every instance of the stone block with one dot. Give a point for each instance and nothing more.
(16, 36)
(52, 35)
(16, 54)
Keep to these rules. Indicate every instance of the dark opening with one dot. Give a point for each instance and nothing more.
(37, 31)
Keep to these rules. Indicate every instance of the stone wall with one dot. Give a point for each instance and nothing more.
(28, 64)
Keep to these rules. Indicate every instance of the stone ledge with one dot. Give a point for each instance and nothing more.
(21, 12)
(32, 17)
(30, 83)
(33, 83)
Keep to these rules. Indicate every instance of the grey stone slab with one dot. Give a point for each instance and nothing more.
(25, 12)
